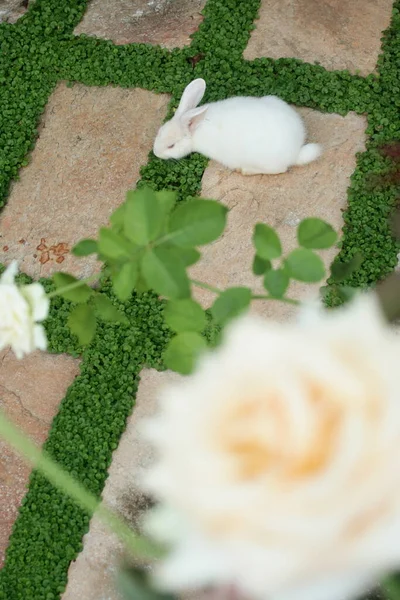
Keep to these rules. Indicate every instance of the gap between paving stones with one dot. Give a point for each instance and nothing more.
(40, 50)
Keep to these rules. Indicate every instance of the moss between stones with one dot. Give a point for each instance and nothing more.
(41, 50)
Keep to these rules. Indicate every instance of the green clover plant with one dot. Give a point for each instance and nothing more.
(150, 244)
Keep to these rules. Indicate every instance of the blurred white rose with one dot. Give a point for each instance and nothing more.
(279, 461)
(21, 308)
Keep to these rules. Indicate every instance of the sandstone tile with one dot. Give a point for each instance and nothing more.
(92, 144)
(91, 576)
(282, 201)
(30, 392)
(164, 22)
(343, 35)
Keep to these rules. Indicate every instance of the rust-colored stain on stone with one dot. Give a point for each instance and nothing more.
(44, 258)
(343, 35)
(55, 252)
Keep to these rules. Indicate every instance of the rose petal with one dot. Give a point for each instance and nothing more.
(10, 273)
(38, 301)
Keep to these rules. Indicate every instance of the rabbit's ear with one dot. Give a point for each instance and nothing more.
(192, 118)
(191, 96)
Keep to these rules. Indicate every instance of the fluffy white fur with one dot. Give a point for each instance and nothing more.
(253, 135)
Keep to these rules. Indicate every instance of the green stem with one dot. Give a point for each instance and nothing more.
(267, 297)
(73, 286)
(205, 286)
(215, 290)
(137, 545)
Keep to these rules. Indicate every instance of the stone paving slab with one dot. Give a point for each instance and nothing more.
(30, 393)
(339, 35)
(91, 146)
(318, 189)
(168, 23)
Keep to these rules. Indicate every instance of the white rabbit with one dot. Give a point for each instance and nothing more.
(249, 134)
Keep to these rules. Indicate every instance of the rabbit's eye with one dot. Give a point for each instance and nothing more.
(171, 146)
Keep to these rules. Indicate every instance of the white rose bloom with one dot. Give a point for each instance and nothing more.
(21, 307)
(279, 461)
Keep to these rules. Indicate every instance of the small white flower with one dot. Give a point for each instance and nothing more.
(279, 462)
(21, 308)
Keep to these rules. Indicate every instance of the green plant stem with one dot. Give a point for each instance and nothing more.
(215, 290)
(205, 286)
(73, 286)
(267, 297)
(137, 545)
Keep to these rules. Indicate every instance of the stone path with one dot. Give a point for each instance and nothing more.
(92, 143)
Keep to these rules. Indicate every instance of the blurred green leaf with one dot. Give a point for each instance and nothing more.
(342, 270)
(113, 245)
(165, 273)
(133, 584)
(197, 223)
(166, 200)
(141, 285)
(79, 294)
(124, 280)
(388, 294)
(143, 216)
(185, 315)
(315, 234)
(345, 292)
(391, 586)
(305, 265)
(85, 248)
(183, 351)
(118, 216)
(82, 322)
(276, 282)
(230, 304)
(260, 265)
(189, 256)
(266, 242)
(106, 310)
